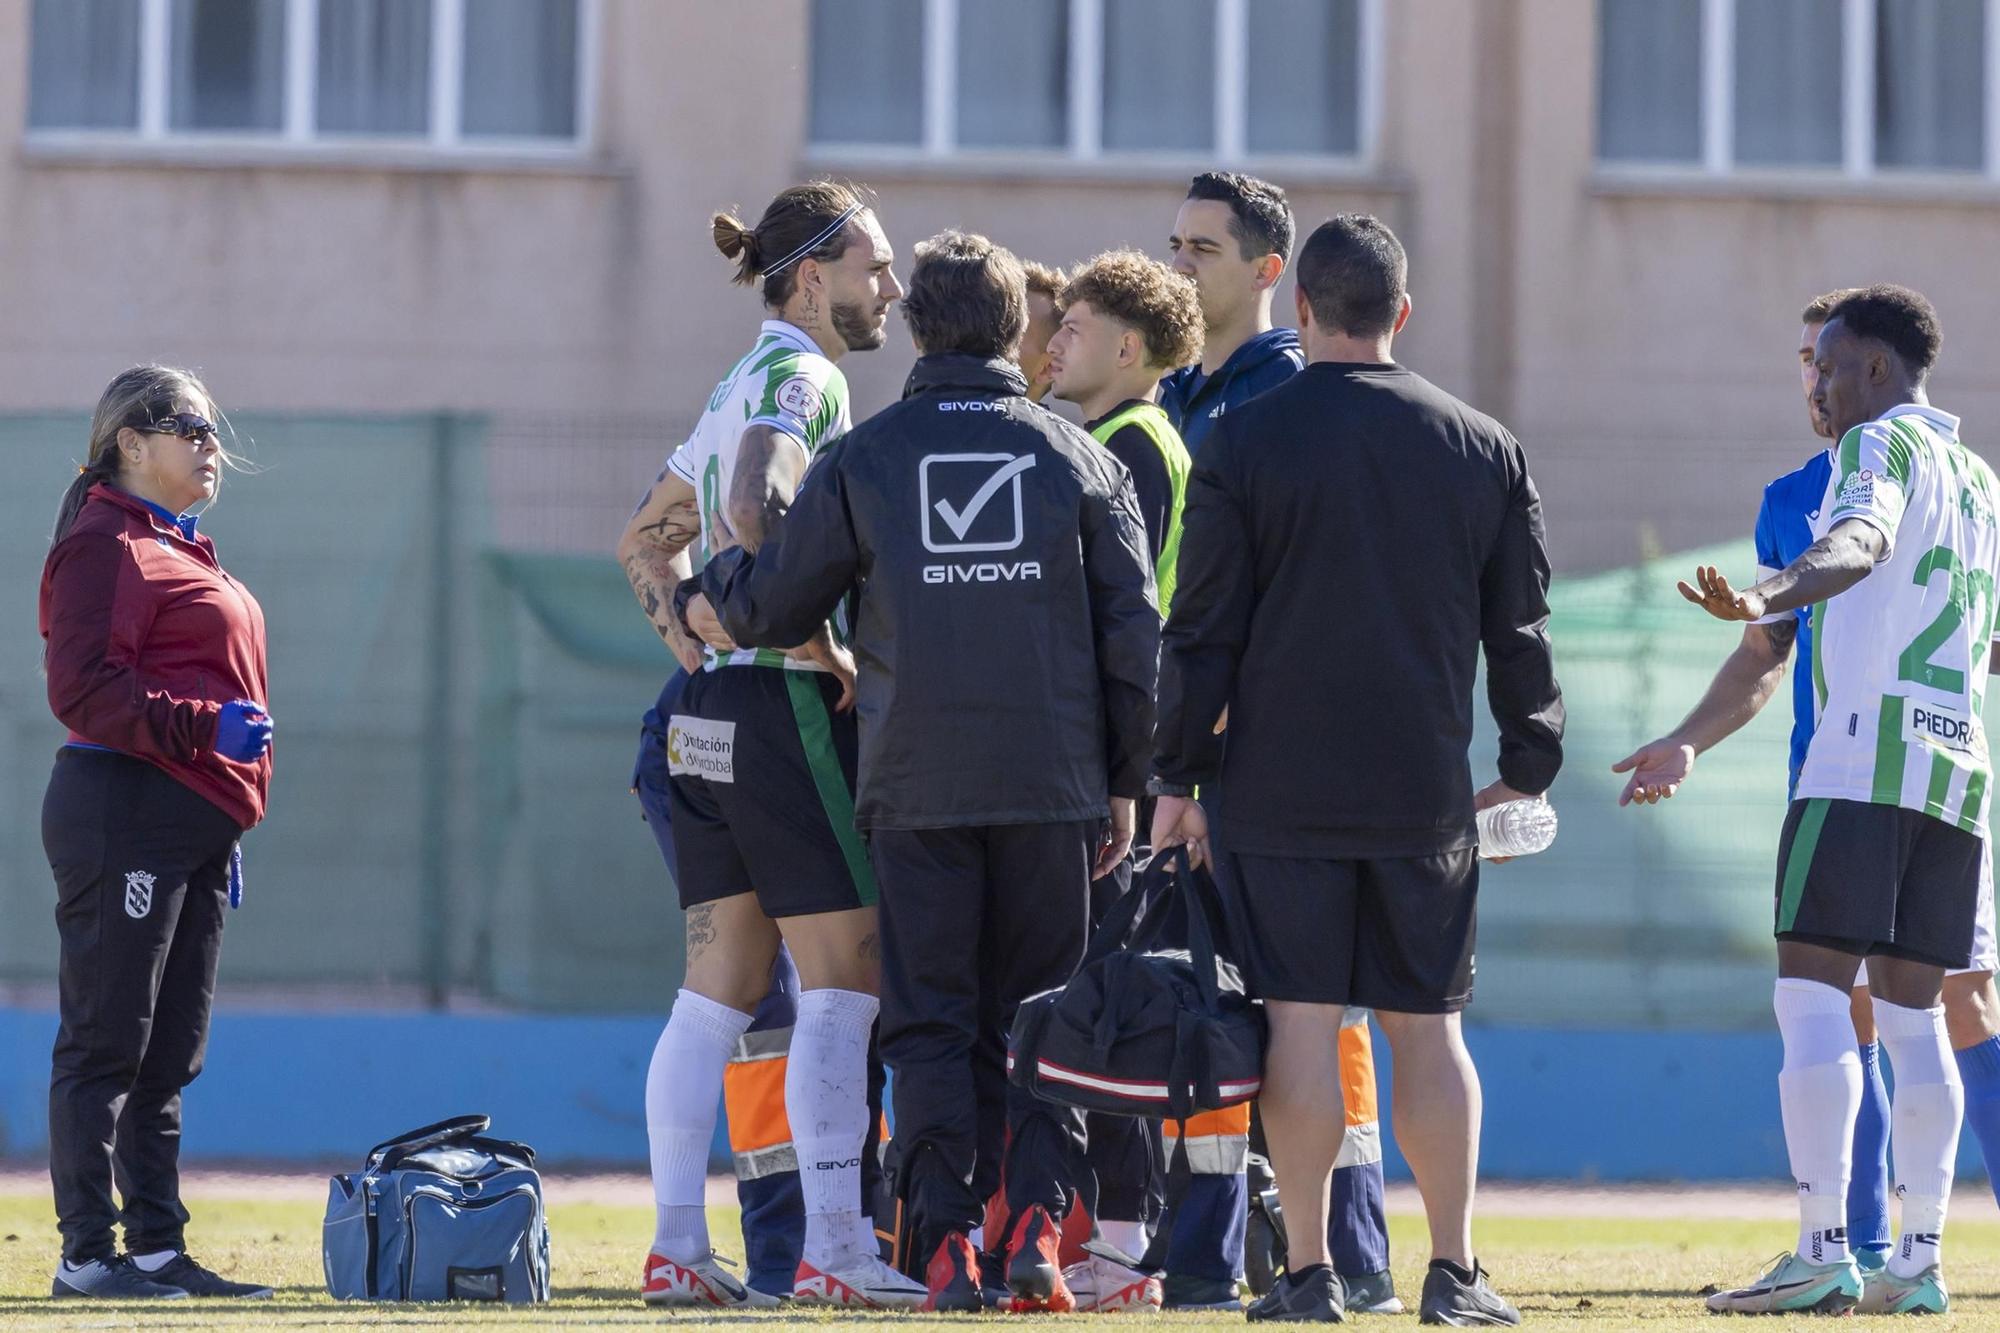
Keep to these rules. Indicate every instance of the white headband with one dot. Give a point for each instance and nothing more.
(814, 244)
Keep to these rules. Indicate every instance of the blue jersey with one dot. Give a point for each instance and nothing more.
(1192, 400)
(1784, 530)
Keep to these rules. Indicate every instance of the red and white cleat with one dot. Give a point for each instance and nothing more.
(701, 1283)
(859, 1282)
(1105, 1286)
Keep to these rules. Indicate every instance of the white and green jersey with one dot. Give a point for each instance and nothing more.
(1900, 658)
(784, 382)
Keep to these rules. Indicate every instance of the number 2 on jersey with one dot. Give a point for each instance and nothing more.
(1970, 597)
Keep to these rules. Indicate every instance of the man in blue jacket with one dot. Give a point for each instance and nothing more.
(1233, 237)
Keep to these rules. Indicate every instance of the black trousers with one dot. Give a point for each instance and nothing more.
(973, 921)
(141, 867)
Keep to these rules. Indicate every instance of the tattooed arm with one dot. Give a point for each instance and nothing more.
(654, 552)
(769, 464)
(1747, 680)
(769, 467)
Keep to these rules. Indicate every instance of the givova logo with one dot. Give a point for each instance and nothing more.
(972, 502)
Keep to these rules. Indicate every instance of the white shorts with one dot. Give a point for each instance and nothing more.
(1985, 951)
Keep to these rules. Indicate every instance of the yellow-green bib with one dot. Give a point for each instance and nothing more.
(1149, 418)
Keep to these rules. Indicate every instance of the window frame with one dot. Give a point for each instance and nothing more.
(299, 137)
(1716, 103)
(1083, 148)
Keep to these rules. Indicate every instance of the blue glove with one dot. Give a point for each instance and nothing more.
(243, 731)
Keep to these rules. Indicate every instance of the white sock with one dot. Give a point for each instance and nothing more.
(683, 1085)
(1924, 1118)
(154, 1262)
(1819, 1091)
(826, 1100)
(1129, 1237)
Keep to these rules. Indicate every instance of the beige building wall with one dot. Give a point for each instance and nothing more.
(1657, 319)
(1636, 334)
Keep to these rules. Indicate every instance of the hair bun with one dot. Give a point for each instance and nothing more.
(733, 239)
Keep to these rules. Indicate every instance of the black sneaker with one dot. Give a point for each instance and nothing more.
(1311, 1297)
(993, 1290)
(182, 1271)
(113, 1279)
(1372, 1293)
(1180, 1291)
(1474, 1304)
(953, 1277)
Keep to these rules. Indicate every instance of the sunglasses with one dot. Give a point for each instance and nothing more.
(184, 424)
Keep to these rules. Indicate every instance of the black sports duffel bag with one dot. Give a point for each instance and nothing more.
(1143, 1029)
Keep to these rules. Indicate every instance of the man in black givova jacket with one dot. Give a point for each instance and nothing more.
(1007, 643)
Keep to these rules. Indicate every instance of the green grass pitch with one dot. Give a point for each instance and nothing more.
(1564, 1272)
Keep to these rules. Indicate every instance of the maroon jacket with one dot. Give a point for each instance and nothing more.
(147, 639)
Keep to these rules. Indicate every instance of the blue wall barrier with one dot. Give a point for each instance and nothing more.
(1560, 1104)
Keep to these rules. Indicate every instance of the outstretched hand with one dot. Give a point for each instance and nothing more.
(1658, 769)
(1712, 593)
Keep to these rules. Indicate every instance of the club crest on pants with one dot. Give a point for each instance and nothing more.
(138, 893)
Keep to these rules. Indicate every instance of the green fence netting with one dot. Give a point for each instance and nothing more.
(458, 721)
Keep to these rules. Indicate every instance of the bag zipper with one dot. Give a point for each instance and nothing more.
(464, 1205)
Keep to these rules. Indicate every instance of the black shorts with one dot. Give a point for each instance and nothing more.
(1394, 933)
(1878, 879)
(762, 792)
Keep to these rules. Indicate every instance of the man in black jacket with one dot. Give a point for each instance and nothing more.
(1007, 643)
(1352, 539)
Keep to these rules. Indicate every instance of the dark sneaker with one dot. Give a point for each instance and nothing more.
(182, 1271)
(953, 1278)
(1182, 1291)
(1311, 1297)
(993, 1280)
(1263, 1240)
(113, 1279)
(1459, 1304)
(1034, 1265)
(1372, 1293)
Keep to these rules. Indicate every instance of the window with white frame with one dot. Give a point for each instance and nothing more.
(442, 73)
(1850, 86)
(1211, 79)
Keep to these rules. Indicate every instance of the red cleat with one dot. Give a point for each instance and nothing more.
(1034, 1265)
(953, 1278)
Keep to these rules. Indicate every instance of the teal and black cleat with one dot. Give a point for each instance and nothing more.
(1792, 1285)
(1882, 1292)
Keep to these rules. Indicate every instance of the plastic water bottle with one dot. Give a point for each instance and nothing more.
(1517, 828)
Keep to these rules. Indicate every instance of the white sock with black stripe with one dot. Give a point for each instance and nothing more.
(683, 1086)
(1819, 1092)
(1924, 1118)
(826, 1100)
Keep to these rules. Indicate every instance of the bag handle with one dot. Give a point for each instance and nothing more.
(1202, 929)
(430, 1136)
(502, 1147)
(1111, 935)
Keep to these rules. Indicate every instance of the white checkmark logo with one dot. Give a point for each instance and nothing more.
(960, 521)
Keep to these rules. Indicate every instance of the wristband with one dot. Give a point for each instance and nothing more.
(1160, 787)
(684, 592)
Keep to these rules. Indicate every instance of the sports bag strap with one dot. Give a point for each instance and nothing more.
(1111, 934)
(502, 1148)
(430, 1136)
(1200, 1077)
(1200, 930)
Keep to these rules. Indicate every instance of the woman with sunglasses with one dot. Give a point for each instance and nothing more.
(155, 663)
